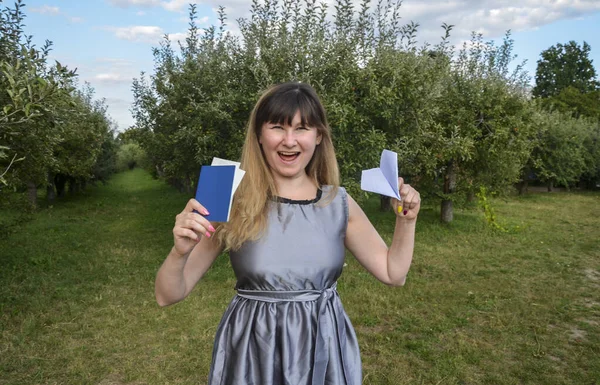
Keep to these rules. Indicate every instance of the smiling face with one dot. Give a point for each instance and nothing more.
(288, 147)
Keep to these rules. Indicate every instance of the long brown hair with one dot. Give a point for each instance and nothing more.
(279, 104)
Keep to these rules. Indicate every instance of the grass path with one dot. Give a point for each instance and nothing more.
(77, 302)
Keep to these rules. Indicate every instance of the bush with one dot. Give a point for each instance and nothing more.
(130, 156)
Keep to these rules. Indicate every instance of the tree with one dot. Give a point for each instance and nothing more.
(561, 156)
(563, 66)
(457, 122)
(566, 83)
(571, 100)
(27, 85)
(473, 130)
(47, 126)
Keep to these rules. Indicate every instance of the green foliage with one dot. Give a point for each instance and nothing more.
(565, 147)
(47, 126)
(130, 156)
(572, 100)
(380, 91)
(563, 66)
(197, 103)
(568, 147)
(472, 126)
(489, 212)
(106, 163)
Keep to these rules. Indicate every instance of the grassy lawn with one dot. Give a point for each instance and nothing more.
(77, 295)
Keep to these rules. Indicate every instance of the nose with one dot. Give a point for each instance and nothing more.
(289, 139)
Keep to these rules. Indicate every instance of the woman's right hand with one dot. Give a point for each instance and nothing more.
(190, 227)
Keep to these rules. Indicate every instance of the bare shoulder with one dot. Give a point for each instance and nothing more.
(354, 209)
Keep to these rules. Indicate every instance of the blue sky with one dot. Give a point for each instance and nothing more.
(110, 41)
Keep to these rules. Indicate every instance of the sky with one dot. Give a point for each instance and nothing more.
(110, 41)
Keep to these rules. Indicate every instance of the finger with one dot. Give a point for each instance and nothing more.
(406, 189)
(413, 200)
(181, 232)
(194, 217)
(195, 205)
(201, 227)
(204, 222)
(396, 205)
(418, 201)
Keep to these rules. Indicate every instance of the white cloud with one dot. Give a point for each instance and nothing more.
(134, 3)
(140, 13)
(171, 5)
(178, 37)
(491, 17)
(55, 11)
(112, 78)
(145, 33)
(138, 33)
(176, 5)
(107, 70)
(46, 10)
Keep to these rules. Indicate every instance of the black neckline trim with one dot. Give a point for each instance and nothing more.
(300, 202)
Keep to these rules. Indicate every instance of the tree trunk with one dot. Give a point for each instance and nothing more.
(159, 172)
(189, 185)
(523, 187)
(60, 181)
(384, 203)
(50, 192)
(471, 196)
(447, 214)
(550, 185)
(447, 211)
(73, 185)
(32, 193)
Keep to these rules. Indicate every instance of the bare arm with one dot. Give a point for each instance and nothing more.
(191, 256)
(389, 265)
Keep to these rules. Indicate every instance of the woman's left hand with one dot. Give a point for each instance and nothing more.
(408, 207)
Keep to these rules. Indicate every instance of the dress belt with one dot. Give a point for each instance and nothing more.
(324, 327)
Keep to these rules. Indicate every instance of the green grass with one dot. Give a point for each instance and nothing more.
(479, 307)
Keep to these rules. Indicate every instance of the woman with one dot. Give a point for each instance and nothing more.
(290, 225)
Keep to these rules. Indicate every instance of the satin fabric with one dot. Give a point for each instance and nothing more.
(287, 325)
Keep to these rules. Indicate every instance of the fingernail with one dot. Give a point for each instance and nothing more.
(207, 234)
(399, 209)
(211, 228)
(205, 212)
(405, 212)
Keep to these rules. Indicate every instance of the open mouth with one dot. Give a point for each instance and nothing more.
(288, 156)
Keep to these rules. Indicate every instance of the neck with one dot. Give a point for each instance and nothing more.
(299, 188)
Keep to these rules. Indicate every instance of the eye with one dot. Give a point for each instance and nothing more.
(302, 128)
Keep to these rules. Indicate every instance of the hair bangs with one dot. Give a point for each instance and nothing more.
(281, 106)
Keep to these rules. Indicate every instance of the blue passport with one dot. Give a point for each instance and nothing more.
(214, 191)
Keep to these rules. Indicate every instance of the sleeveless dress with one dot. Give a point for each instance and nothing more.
(286, 325)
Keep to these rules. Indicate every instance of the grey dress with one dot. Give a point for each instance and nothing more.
(286, 325)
